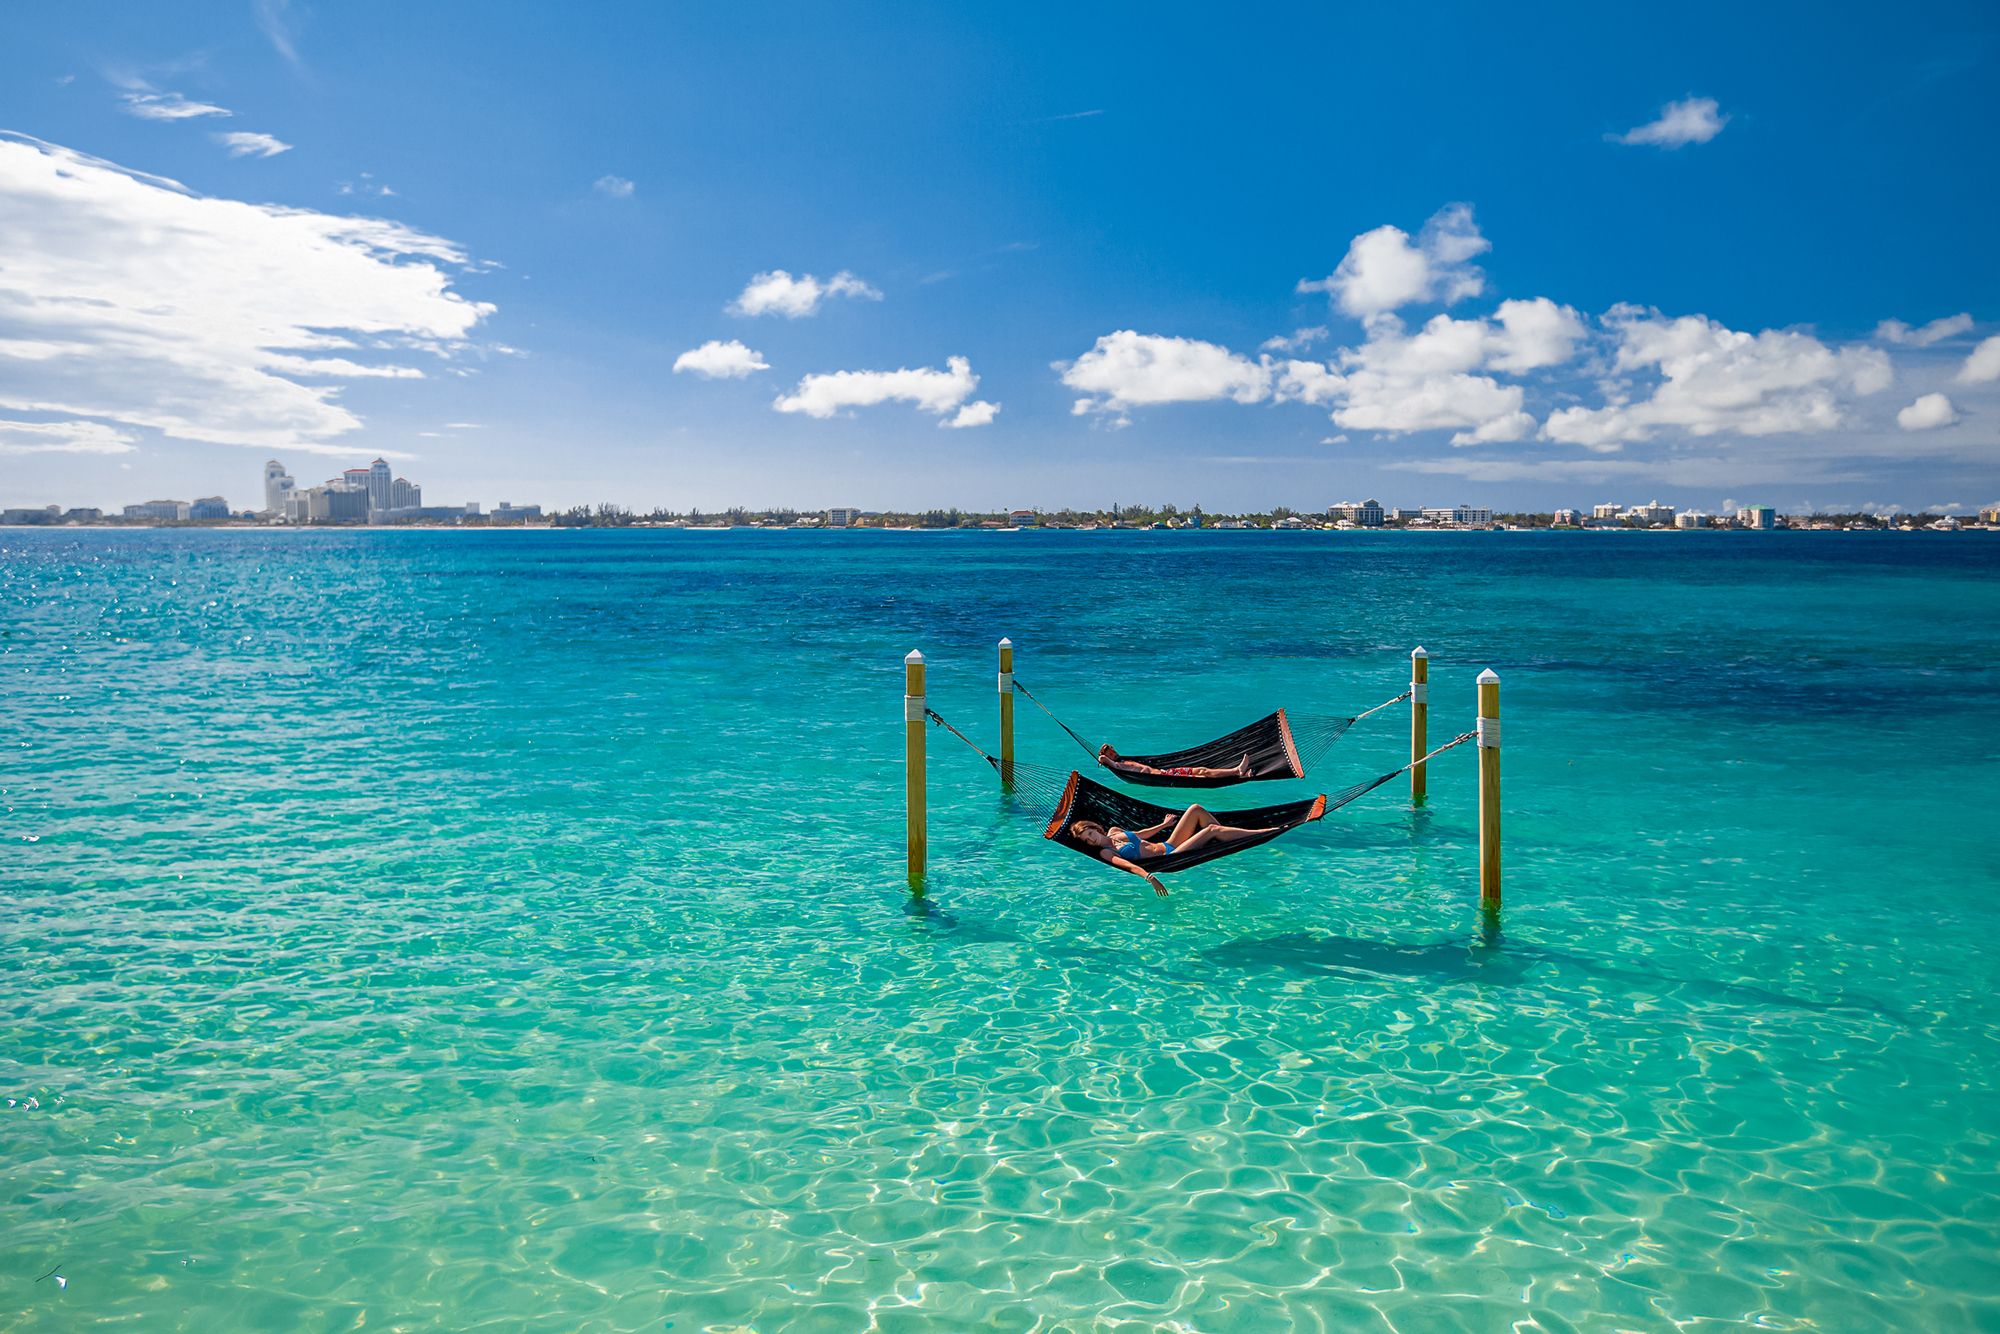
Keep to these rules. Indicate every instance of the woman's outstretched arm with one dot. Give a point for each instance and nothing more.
(1138, 870)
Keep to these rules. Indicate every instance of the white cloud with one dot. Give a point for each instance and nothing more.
(132, 299)
(244, 143)
(70, 437)
(1297, 341)
(1716, 379)
(1127, 369)
(1533, 334)
(614, 187)
(717, 360)
(169, 106)
(976, 413)
(271, 17)
(1951, 326)
(933, 391)
(778, 293)
(1983, 364)
(1428, 381)
(1927, 413)
(1383, 270)
(1694, 120)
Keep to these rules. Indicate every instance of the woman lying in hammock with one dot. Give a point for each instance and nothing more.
(1118, 764)
(1128, 849)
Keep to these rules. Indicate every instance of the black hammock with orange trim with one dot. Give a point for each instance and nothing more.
(1267, 743)
(1274, 747)
(1083, 799)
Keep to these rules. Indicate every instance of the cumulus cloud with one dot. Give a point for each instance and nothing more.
(717, 360)
(169, 106)
(131, 299)
(1714, 379)
(1928, 413)
(245, 143)
(976, 413)
(1694, 120)
(1951, 326)
(1983, 364)
(64, 437)
(934, 391)
(1431, 380)
(614, 187)
(779, 293)
(1127, 369)
(1384, 270)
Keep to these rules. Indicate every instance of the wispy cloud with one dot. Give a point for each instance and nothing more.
(274, 17)
(1067, 115)
(246, 143)
(135, 301)
(169, 106)
(1694, 120)
(367, 185)
(1951, 326)
(614, 187)
(64, 437)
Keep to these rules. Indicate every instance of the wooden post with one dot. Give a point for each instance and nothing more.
(1489, 793)
(1006, 715)
(1420, 722)
(913, 764)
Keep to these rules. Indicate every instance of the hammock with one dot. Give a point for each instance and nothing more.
(1274, 749)
(1074, 797)
(1084, 800)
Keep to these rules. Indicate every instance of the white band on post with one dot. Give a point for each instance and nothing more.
(1420, 692)
(1006, 683)
(1489, 734)
(913, 708)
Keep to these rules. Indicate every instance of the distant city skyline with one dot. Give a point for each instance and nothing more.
(771, 257)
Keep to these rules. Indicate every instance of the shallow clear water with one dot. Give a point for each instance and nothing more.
(470, 930)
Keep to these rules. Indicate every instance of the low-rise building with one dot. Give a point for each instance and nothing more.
(1460, 516)
(1025, 518)
(158, 510)
(1763, 518)
(209, 507)
(842, 518)
(1690, 519)
(1365, 513)
(82, 514)
(1610, 509)
(1568, 518)
(506, 513)
(31, 515)
(1647, 516)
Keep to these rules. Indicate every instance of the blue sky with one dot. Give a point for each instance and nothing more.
(479, 238)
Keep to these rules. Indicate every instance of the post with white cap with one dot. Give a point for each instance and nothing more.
(1420, 722)
(1006, 715)
(1489, 793)
(913, 764)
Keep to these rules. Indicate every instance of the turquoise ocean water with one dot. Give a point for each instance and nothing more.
(484, 931)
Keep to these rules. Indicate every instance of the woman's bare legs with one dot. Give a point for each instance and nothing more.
(1192, 820)
(1214, 833)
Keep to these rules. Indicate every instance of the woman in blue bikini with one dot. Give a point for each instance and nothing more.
(1129, 849)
